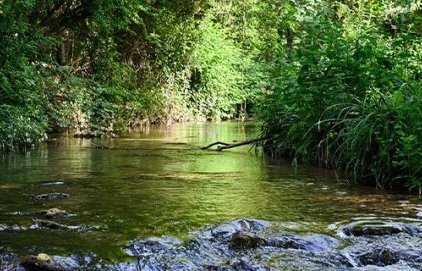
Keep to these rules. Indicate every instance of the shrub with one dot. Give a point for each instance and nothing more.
(348, 95)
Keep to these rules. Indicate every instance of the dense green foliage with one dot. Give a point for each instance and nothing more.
(100, 67)
(336, 83)
(348, 93)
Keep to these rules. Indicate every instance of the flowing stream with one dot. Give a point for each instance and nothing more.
(157, 181)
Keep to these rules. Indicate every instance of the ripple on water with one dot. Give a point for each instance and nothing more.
(161, 186)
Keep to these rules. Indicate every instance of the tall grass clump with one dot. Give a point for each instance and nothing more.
(347, 95)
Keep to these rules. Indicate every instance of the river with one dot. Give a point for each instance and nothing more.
(157, 181)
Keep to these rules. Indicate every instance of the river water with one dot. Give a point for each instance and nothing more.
(157, 181)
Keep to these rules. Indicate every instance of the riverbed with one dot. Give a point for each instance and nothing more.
(157, 181)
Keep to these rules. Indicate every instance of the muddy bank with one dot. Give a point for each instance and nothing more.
(249, 244)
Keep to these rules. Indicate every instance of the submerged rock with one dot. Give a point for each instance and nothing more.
(378, 257)
(49, 183)
(372, 228)
(41, 224)
(13, 228)
(53, 212)
(47, 224)
(8, 262)
(229, 228)
(383, 244)
(50, 213)
(312, 242)
(50, 196)
(393, 255)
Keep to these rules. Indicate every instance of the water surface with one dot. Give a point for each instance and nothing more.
(157, 181)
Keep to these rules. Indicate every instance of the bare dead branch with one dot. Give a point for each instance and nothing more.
(213, 144)
(226, 146)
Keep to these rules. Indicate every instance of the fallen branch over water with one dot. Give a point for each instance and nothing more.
(225, 146)
(215, 143)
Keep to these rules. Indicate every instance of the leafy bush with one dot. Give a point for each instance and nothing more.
(216, 73)
(23, 110)
(348, 95)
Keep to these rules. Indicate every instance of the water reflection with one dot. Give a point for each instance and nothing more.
(157, 181)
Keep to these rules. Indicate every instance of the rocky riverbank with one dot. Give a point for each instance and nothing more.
(249, 244)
